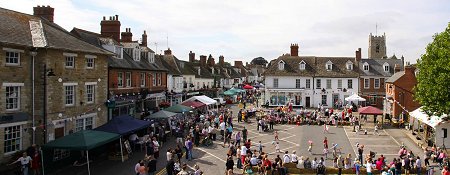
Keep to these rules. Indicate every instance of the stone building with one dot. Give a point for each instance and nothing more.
(52, 84)
(377, 46)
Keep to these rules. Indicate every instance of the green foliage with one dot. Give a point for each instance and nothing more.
(433, 88)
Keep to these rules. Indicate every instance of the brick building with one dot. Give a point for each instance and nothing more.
(52, 84)
(400, 93)
(136, 82)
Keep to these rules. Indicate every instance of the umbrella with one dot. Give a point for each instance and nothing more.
(230, 92)
(178, 108)
(248, 87)
(162, 115)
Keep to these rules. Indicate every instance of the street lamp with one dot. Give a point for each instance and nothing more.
(47, 73)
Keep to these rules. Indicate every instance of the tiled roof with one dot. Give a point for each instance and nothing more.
(170, 63)
(15, 29)
(395, 77)
(339, 68)
(376, 67)
(292, 66)
(186, 68)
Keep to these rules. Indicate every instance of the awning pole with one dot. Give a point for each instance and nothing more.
(87, 157)
(121, 150)
(42, 161)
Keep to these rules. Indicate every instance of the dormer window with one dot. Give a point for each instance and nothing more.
(212, 70)
(198, 71)
(118, 50)
(281, 65)
(349, 65)
(329, 65)
(302, 65)
(366, 67)
(151, 57)
(386, 67)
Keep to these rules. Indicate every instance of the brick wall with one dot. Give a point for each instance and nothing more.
(371, 91)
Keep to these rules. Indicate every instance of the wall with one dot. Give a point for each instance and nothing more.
(202, 81)
(334, 90)
(371, 91)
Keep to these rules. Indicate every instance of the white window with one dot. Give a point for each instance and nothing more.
(339, 83)
(297, 83)
(366, 67)
(143, 79)
(308, 83)
(349, 66)
(350, 83)
(386, 67)
(70, 62)
(70, 95)
(159, 79)
(324, 99)
(84, 124)
(329, 65)
(154, 79)
(302, 65)
(12, 98)
(328, 83)
(366, 83)
(90, 93)
(120, 79)
(281, 65)
(275, 82)
(376, 83)
(128, 78)
(90, 63)
(318, 84)
(12, 58)
(13, 139)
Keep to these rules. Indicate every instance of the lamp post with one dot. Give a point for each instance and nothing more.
(47, 73)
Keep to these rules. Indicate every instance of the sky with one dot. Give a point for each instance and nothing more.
(243, 30)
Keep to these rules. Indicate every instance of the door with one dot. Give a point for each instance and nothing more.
(335, 100)
(59, 132)
(308, 102)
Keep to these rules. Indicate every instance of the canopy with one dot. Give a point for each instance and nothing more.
(432, 121)
(204, 99)
(236, 90)
(355, 97)
(178, 108)
(123, 125)
(370, 110)
(162, 115)
(193, 104)
(248, 87)
(230, 92)
(82, 140)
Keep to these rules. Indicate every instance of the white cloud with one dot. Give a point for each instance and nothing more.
(242, 30)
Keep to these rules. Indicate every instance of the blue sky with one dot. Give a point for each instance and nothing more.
(243, 30)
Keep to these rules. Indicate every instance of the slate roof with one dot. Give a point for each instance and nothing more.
(376, 67)
(292, 66)
(15, 29)
(339, 68)
(187, 68)
(395, 77)
(126, 62)
(169, 62)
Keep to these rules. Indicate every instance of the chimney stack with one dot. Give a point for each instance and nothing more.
(221, 60)
(238, 64)
(358, 55)
(294, 50)
(202, 60)
(211, 61)
(397, 68)
(191, 57)
(168, 52)
(409, 69)
(127, 36)
(44, 12)
(111, 27)
(144, 39)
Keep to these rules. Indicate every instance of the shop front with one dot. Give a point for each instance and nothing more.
(282, 97)
(429, 130)
(152, 101)
(175, 98)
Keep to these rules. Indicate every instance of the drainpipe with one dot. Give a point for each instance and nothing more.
(33, 54)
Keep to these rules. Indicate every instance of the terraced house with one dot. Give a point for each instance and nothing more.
(52, 83)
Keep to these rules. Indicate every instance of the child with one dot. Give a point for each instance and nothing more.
(325, 153)
(310, 147)
(277, 147)
(260, 147)
(325, 128)
(276, 136)
(177, 167)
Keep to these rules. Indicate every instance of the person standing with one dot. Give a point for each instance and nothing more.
(369, 167)
(170, 167)
(155, 148)
(418, 166)
(151, 165)
(244, 134)
(360, 153)
(25, 162)
(189, 146)
(230, 163)
(237, 139)
(325, 143)
(36, 163)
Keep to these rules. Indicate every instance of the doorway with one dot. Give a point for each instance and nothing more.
(308, 102)
(59, 132)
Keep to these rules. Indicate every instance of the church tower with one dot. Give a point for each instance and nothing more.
(377, 46)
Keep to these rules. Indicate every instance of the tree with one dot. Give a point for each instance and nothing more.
(433, 87)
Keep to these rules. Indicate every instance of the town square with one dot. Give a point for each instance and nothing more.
(201, 87)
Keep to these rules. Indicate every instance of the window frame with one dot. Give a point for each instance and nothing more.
(17, 98)
(329, 84)
(18, 141)
(318, 84)
(67, 57)
(119, 79)
(275, 83)
(349, 84)
(66, 95)
(322, 100)
(84, 123)
(143, 79)
(154, 79)
(8, 58)
(159, 79)
(297, 83)
(365, 65)
(339, 84)
(366, 84)
(375, 83)
(90, 90)
(87, 63)
(308, 83)
(302, 66)
(128, 79)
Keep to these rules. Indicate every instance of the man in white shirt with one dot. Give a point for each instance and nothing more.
(254, 160)
(286, 158)
(294, 158)
(25, 161)
(222, 129)
(369, 168)
(136, 167)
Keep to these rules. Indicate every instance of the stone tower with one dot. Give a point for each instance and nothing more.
(377, 46)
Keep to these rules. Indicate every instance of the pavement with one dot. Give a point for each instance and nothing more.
(211, 160)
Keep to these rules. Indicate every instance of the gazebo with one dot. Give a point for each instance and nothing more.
(370, 110)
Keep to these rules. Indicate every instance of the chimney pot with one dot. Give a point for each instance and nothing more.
(294, 49)
(117, 17)
(110, 18)
(191, 56)
(46, 12)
